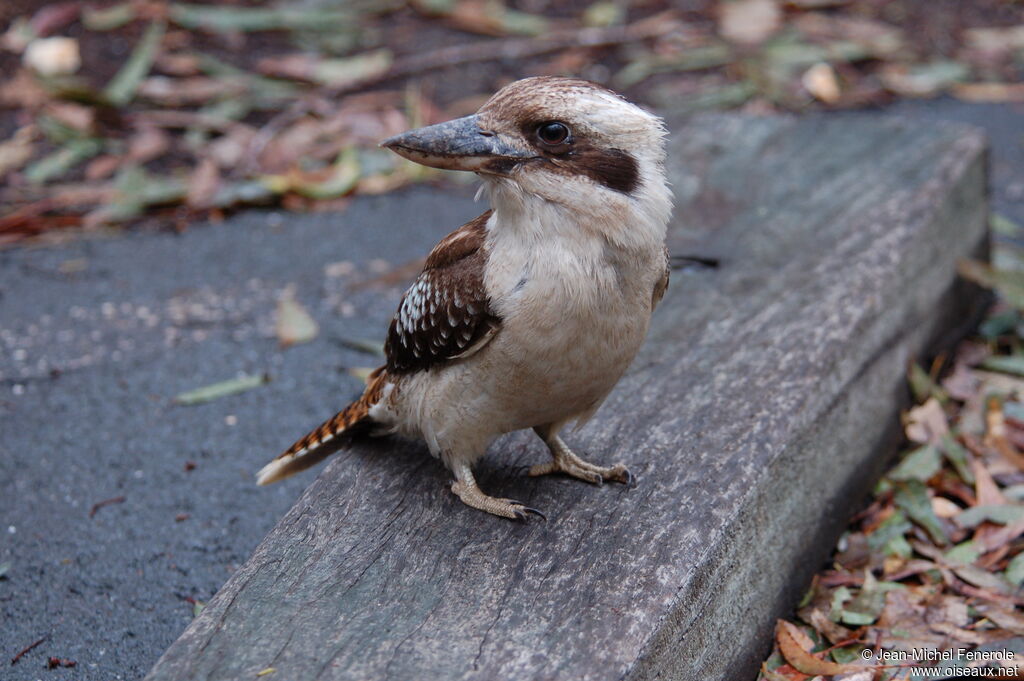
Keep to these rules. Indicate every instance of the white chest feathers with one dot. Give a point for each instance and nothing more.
(574, 311)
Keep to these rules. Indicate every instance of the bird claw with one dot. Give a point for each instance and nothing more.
(471, 495)
(630, 480)
(522, 512)
(583, 470)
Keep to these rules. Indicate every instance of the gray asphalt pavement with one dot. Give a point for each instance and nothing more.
(97, 338)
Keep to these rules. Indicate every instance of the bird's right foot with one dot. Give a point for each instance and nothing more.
(506, 508)
(465, 488)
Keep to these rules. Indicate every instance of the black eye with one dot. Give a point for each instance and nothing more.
(553, 133)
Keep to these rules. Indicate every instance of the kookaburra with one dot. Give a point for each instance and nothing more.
(527, 316)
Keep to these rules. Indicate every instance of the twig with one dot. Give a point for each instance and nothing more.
(520, 48)
(106, 502)
(30, 646)
(55, 662)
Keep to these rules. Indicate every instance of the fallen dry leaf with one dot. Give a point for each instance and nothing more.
(820, 80)
(203, 185)
(923, 80)
(795, 646)
(221, 389)
(53, 56)
(996, 434)
(1003, 39)
(148, 143)
(186, 91)
(23, 91)
(1005, 618)
(294, 324)
(926, 424)
(961, 384)
(944, 508)
(748, 22)
(362, 373)
(74, 116)
(989, 92)
(17, 150)
(986, 490)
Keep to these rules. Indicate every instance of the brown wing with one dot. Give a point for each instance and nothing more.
(445, 314)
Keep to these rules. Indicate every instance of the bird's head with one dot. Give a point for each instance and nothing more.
(565, 141)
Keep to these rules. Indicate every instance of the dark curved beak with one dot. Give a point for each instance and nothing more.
(460, 144)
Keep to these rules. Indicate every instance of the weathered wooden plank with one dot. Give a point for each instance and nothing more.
(761, 407)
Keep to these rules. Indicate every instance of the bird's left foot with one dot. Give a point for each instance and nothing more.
(564, 461)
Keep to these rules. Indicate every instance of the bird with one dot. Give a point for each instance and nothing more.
(527, 316)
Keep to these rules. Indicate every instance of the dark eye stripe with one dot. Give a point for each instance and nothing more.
(614, 168)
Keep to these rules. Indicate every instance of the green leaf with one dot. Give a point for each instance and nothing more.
(839, 598)
(345, 176)
(807, 597)
(724, 97)
(1013, 410)
(692, 59)
(1015, 570)
(1003, 225)
(912, 497)
(137, 189)
(957, 456)
(923, 387)
(1009, 283)
(898, 546)
(63, 160)
(865, 608)
(222, 389)
(920, 464)
(349, 70)
(981, 577)
(895, 526)
(963, 553)
(197, 607)
(122, 88)
(857, 619)
(847, 655)
(922, 80)
(245, 191)
(108, 18)
(227, 19)
(266, 92)
(1002, 514)
(521, 23)
(4, 568)
(1007, 364)
(604, 13)
(999, 325)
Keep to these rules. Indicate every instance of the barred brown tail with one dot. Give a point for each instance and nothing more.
(338, 431)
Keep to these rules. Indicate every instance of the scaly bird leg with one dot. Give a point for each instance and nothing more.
(465, 488)
(564, 461)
